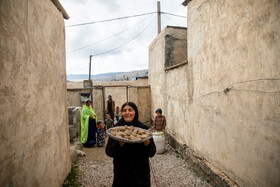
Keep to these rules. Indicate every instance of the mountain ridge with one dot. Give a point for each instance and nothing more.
(111, 76)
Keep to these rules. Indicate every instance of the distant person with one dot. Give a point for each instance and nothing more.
(118, 114)
(160, 121)
(131, 160)
(88, 125)
(111, 107)
(108, 121)
(100, 134)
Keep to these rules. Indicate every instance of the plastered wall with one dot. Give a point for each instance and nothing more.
(158, 79)
(33, 108)
(224, 104)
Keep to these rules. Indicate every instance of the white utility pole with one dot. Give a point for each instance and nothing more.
(158, 17)
(89, 76)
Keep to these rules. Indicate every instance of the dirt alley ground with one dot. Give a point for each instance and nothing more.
(96, 169)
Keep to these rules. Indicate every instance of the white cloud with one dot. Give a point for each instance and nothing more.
(133, 55)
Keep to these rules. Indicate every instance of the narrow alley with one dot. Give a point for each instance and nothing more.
(96, 169)
(210, 66)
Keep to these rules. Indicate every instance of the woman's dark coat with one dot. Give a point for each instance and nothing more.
(131, 161)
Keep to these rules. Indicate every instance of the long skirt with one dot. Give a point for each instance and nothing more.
(91, 140)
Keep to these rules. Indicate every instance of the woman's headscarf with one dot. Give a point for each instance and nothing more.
(135, 120)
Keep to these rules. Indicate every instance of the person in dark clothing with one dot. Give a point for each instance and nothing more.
(131, 160)
(111, 107)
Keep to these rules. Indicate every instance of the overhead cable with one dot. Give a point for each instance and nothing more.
(125, 17)
(77, 49)
(116, 47)
(173, 14)
(126, 42)
(230, 88)
(76, 67)
(166, 16)
(113, 19)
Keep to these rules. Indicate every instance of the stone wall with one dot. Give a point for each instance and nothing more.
(33, 107)
(224, 103)
(121, 91)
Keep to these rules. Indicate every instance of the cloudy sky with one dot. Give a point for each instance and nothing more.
(117, 46)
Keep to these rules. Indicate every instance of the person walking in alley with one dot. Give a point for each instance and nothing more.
(111, 107)
(88, 125)
(131, 160)
(160, 121)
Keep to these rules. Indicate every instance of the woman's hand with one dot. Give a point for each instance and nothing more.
(92, 117)
(147, 142)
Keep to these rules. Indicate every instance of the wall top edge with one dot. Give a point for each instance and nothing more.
(60, 8)
(186, 2)
(176, 27)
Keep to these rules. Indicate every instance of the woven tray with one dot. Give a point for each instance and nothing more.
(127, 140)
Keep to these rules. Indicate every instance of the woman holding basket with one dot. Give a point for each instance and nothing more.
(131, 160)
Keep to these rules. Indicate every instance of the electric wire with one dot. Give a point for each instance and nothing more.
(230, 88)
(253, 80)
(76, 67)
(126, 42)
(98, 54)
(167, 17)
(113, 19)
(119, 18)
(173, 14)
(116, 34)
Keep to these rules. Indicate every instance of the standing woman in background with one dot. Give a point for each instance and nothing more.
(131, 160)
(88, 125)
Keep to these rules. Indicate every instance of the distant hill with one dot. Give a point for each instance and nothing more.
(117, 76)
